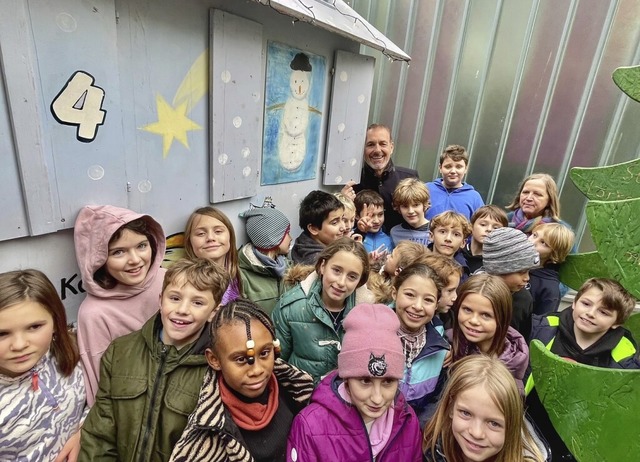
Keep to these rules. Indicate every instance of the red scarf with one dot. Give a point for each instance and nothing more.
(250, 416)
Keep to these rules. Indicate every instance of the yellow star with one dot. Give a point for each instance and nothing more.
(172, 123)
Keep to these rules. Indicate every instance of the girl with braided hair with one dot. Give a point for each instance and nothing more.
(249, 396)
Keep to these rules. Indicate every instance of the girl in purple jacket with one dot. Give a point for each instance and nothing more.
(209, 234)
(482, 317)
(357, 413)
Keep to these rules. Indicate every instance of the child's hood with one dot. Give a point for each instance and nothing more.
(515, 354)
(94, 227)
(328, 397)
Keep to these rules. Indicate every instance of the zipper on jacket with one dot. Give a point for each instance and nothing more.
(152, 404)
(366, 434)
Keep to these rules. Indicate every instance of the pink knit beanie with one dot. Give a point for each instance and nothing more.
(371, 346)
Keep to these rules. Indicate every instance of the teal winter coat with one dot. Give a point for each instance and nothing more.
(305, 329)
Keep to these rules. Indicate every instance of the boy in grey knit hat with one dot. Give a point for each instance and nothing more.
(506, 252)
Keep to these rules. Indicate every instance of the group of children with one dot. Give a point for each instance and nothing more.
(409, 346)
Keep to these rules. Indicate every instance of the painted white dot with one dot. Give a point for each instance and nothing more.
(246, 171)
(144, 186)
(237, 121)
(294, 198)
(338, 179)
(225, 76)
(66, 22)
(353, 161)
(361, 99)
(340, 127)
(223, 159)
(344, 76)
(294, 455)
(256, 96)
(95, 172)
(246, 152)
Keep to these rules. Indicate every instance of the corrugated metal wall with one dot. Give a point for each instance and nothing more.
(525, 85)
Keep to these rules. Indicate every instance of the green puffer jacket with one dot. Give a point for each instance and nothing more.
(147, 391)
(305, 330)
(259, 283)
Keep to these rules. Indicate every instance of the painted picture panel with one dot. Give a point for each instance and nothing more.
(294, 96)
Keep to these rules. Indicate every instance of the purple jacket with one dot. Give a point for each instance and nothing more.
(331, 429)
(515, 354)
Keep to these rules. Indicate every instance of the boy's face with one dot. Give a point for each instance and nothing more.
(348, 220)
(230, 357)
(376, 214)
(447, 240)
(482, 227)
(516, 281)
(592, 319)
(537, 238)
(184, 310)
(332, 228)
(413, 214)
(449, 294)
(391, 264)
(453, 172)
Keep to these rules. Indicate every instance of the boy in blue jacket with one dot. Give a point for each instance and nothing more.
(451, 192)
(370, 210)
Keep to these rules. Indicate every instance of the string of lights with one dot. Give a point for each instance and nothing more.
(357, 20)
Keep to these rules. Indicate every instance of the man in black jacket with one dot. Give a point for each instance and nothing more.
(379, 173)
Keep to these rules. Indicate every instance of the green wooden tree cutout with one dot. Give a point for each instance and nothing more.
(613, 213)
(579, 267)
(611, 183)
(615, 228)
(628, 80)
(595, 411)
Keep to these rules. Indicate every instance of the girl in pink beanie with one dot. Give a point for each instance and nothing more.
(357, 412)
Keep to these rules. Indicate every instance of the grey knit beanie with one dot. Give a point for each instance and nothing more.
(507, 250)
(266, 227)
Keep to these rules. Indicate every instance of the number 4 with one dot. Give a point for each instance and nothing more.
(79, 103)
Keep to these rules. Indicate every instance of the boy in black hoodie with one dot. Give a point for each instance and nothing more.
(590, 332)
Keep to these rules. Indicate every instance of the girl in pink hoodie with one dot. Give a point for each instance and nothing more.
(119, 253)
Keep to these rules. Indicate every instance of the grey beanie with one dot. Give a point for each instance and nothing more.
(507, 250)
(266, 227)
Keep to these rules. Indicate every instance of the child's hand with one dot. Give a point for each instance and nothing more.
(70, 450)
(355, 236)
(447, 359)
(364, 223)
(348, 191)
(380, 254)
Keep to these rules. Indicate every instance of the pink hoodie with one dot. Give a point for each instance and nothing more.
(106, 314)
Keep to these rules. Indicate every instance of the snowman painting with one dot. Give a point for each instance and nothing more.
(293, 114)
(292, 142)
